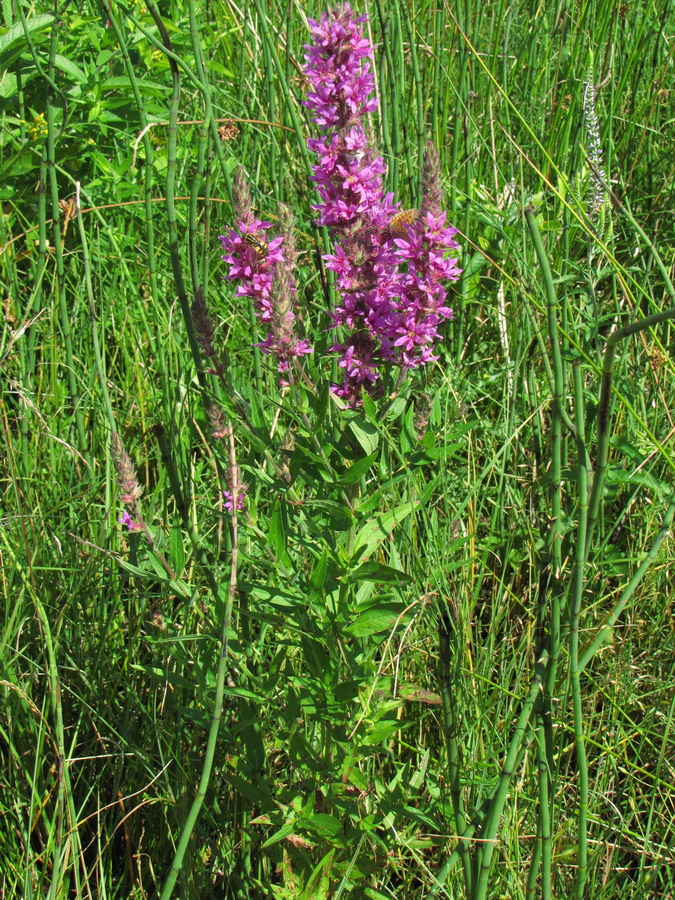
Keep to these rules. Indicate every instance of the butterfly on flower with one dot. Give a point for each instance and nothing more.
(402, 219)
(259, 246)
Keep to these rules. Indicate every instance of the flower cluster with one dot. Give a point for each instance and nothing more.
(222, 431)
(596, 194)
(391, 298)
(354, 205)
(126, 519)
(241, 497)
(128, 484)
(421, 306)
(264, 272)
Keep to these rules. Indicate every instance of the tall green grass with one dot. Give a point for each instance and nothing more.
(434, 657)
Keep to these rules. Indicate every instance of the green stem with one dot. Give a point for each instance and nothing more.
(605, 631)
(604, 404)
(98, 356)
(217, 712)
(575, 611)
(449, 691)
(493, 817)
(545, 738)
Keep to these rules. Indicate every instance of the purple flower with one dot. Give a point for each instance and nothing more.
(421, 306)
(390, 291)
(128, 520)
(355, 207)
(241, 497)
(265, 272)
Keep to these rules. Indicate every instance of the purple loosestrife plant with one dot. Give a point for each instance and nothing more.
(393, 313)
(264, 271)
(354, 205)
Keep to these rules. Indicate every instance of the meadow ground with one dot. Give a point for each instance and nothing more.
(433, 653)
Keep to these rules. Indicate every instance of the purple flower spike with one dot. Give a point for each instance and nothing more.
(391, 296)
(348, 177)
(264, 270)
(421, 306)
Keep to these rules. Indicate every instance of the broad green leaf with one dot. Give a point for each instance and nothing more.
(123, 83)
(380, 574)
(365, 433)
(279, 835)
(418, 694)
(358, 469)
(13, 41)
(177, 586)
(374, 532)
(377, 618)
(68, 66)
(318, 885)
(322, 824)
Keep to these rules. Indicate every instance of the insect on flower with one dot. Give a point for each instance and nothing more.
(259, 246)
(405, 217)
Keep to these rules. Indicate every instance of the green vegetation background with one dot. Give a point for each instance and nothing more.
(378, 703)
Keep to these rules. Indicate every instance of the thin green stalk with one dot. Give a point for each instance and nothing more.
(605, 632)
(202, 148)
(546, 738)
(271, 146)
(403, 113)
(604, 404)
(575, 611)
(544, 778)
(449, 692)
(148, 176)
(391, 135)
(490, 827)
(172, 221)
(465, 839)
(531, 887)
(67, 847)
(438, 51)
(60, 283)
(96, 346)
(216, 714)
(419, 100)
(201, 85)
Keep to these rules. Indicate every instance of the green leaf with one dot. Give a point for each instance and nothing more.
(317, 579)
(123, 83)
(164, 677)
(272, 595)
(379, 574)
(68, 66)
(377, 618)
(13, 41)
(279, 835)
(318, 885)
(365, 433)
(418, 694)
(358, 469)
(374, 532)
(322, 824)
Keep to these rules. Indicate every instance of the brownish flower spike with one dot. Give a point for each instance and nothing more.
(125, 472)
(204, 329)
(241, 194)
(432, 190)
